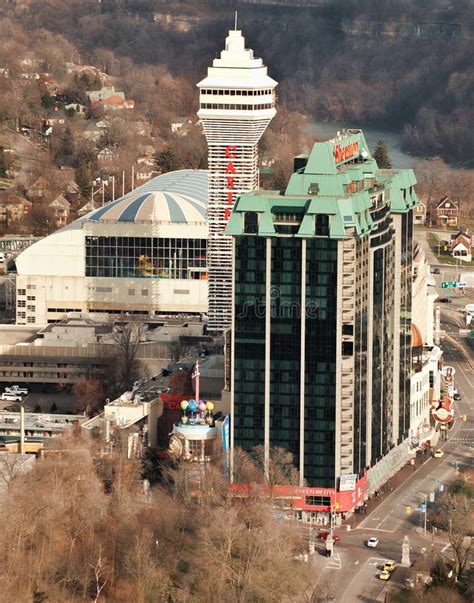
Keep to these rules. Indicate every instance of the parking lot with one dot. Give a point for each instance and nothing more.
(42, 397)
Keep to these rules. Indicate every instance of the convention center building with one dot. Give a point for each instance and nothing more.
(144, 253)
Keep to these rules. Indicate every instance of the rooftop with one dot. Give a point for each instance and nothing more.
(174, 198)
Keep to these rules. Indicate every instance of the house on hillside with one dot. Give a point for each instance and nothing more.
(180, 125)
(419, 212)
(106, 154)
(49, 84)
(92, 132)
(59, 209)
(144, 172)
(78, 109)
(39, 189)
(445, 213)
(109, 98)
(461, 246)
(71, 191)
(13, 208)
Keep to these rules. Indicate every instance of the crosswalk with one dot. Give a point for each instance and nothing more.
(335, 562)
(462, 440)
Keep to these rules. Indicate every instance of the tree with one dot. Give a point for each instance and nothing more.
(281, 469)
(126, 338)
(89, 393)
(167, 161)
(11, 466)
(65, 153)
(381, 155)
(454, 514)
(178, 347)
(181, 383)
(3, 163)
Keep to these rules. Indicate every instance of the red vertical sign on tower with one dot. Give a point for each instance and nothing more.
(230, 153)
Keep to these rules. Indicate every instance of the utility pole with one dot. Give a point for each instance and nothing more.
(22, 428)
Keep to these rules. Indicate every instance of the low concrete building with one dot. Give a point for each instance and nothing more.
(128, 424)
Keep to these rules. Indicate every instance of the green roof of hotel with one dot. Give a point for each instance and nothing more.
(320, 187)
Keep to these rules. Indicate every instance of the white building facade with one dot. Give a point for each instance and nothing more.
(144, 253)
(237, 102)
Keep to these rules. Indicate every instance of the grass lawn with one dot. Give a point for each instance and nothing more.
(443, 256)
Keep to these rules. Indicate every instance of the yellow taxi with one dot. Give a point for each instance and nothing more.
(389, 566)
(438, 453)
(384, 575)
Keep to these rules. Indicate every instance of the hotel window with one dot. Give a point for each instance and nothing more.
(31, 298)
(31, 308)
(21, 314)
(251, 222)
(21, 291)
(21, 303)
(321, 227)
(31, 320)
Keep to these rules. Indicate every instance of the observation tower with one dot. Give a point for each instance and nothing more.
(237, 102)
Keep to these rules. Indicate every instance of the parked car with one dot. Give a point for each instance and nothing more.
(445, 300)
(389, 566)
(11, 397)
(373, 542)
(17, 389)
(325, 535)
(438, 453)
(457, 396)
(436, 271)
(384, 575)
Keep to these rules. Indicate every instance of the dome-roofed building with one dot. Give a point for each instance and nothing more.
(144, 253)
(416, 338)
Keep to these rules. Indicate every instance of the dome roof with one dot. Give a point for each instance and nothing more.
(173, 198)
(416, 338)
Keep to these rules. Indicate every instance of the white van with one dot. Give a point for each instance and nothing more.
(11, 397)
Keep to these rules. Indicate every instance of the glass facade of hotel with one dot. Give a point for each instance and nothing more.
(146, 257)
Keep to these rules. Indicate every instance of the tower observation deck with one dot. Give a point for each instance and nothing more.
(237, 102)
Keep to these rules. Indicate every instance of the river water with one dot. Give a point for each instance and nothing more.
(393, 140)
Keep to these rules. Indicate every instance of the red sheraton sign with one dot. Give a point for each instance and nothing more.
(230, 171)
(347, 152)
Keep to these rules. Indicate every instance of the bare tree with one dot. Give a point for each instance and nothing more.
(11, 466)
(127, 337)
(454, 514)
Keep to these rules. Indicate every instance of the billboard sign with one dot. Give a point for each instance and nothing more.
(347, 483)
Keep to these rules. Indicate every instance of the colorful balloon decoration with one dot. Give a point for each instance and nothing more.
(184, 404)
(210, 406)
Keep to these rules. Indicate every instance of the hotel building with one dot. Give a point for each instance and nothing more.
(237, 102)
(321, 324)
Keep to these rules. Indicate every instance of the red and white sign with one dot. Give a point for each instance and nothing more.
(349, 151)
(297, 496)
(444, 413)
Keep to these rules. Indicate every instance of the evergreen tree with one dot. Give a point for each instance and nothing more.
(65, 153)
(83, 176)
(381, 155)
(167, 161)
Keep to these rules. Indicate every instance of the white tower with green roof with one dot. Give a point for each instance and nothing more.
(237, 102)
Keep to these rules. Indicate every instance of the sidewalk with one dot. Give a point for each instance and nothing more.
(393, 483)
